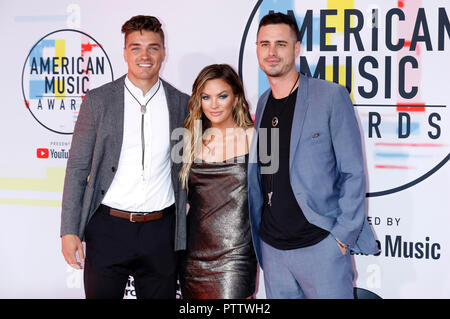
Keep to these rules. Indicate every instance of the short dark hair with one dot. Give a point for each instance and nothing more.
(141, 22)
(280, 18)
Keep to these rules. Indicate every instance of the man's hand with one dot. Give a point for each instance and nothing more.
(70, 245)
(343, 247)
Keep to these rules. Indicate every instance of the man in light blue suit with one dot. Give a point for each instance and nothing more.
(306, 176)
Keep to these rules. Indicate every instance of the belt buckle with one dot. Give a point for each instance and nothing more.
(135, 214)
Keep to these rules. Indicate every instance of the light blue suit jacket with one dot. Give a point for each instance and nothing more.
(326, 166)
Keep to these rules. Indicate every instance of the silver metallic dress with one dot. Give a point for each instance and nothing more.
(219, 261)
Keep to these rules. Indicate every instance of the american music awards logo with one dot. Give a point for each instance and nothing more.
(392, 58)
(58, 71)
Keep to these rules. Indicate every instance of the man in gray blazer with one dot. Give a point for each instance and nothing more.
(121, 192)
(307, 204)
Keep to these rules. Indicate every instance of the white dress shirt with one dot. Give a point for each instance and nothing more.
(138, 188)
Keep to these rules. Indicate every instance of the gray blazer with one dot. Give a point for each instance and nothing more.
(95, 152)
(326, 166)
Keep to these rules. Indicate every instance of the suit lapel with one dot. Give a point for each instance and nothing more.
(253, 158)
(172, 105)
(260, 108)
(301, 105)
(116, 100)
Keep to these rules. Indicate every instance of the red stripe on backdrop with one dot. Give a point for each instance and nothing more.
(413, 108)
(394, 167)
(410, 144)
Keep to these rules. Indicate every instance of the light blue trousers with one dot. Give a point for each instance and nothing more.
(318, 271)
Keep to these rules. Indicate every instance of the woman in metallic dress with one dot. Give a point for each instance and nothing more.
(219, 261)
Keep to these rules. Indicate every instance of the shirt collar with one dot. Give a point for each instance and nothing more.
(137, 92)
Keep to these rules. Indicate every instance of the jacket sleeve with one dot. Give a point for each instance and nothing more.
(78, 168)
(346, 140)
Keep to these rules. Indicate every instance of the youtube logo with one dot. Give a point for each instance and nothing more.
(52, 153)
(42, 153)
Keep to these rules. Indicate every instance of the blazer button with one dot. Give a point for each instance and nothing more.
(102, 192)
(113, 169)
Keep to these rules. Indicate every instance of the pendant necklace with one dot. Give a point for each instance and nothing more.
(275, 122)
(143, 110)
(275, 118)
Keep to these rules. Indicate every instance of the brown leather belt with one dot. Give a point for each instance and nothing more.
(140, 217)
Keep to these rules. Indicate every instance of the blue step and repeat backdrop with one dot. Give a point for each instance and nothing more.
(393, 56)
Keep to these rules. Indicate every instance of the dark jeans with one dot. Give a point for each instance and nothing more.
(117, 248)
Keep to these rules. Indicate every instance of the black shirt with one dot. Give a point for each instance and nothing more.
(283, 225)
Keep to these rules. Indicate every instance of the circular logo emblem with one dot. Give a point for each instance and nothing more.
(60, 68)
(398, 92)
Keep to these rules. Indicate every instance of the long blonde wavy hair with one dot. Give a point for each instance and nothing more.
(193, 138)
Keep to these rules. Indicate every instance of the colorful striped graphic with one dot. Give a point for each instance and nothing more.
(53, 182)
(60, 52)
